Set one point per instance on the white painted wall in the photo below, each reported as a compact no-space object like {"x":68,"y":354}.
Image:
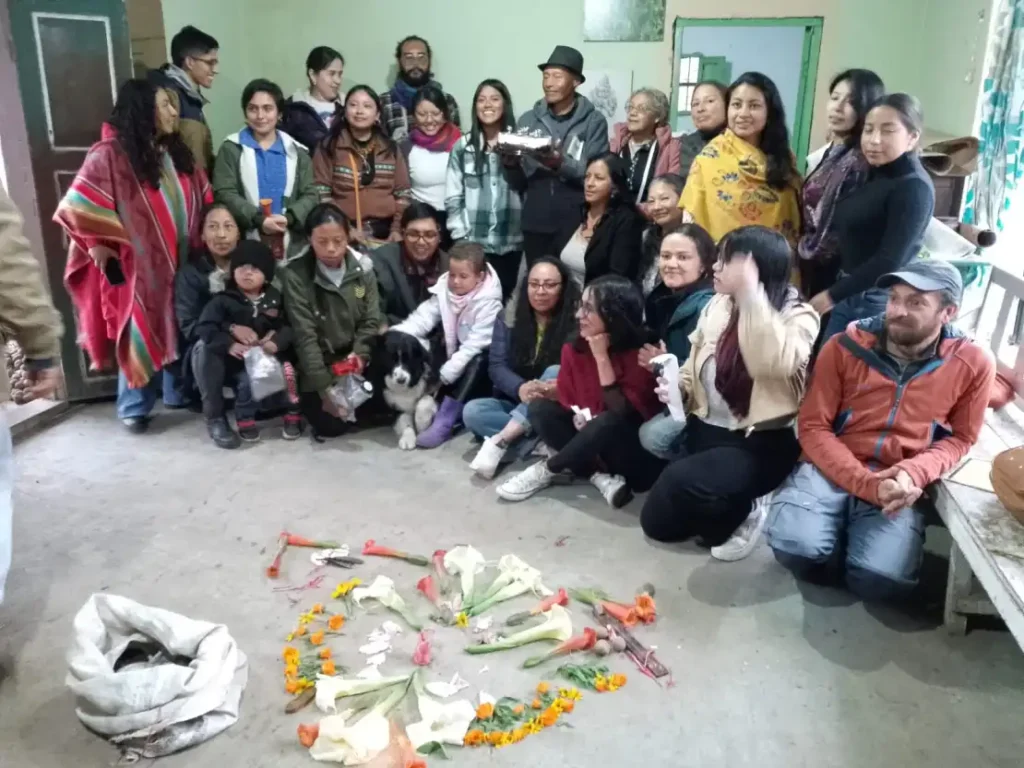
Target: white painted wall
{"x":774,"y":51}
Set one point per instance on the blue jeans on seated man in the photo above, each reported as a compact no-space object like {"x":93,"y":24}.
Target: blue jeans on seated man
{"x":811,"y":519}
{"x":487,"y":416}
{"x":662,"y":436}
{"x":139,"y":403}
{"x":857,"y":307}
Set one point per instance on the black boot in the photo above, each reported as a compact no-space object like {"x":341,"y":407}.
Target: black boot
{"x":222,"y":434}
{"x":137,"y":425}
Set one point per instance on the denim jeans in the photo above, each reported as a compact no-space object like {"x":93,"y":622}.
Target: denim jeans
{"x":857,"y":307}
{"x":487,"y":416}
{"x":6,"y":511}
{"x":138,"y":403}
{"x":810,"y":520}
{"x":662,"y":436}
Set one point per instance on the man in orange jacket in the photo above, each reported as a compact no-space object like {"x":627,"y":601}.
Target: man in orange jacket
{"x":894,"y":402}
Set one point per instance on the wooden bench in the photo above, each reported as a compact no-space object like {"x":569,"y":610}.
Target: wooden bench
{"x":986,"y":561}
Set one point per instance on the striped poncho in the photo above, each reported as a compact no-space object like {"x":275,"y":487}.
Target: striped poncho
{"x":148,"y":230}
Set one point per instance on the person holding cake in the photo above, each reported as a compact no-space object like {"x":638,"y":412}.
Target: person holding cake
{"x":554,"y":176}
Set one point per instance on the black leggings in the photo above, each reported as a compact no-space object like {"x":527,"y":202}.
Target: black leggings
{"x":710,"y":490}
{"x":473,"y":383}
{"x":609,"y":442}
{"x":507,"y":267}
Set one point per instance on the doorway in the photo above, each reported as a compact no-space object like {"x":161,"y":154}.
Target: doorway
{"x":784,"y":49}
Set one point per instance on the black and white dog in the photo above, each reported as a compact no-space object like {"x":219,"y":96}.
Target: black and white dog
{"x":410,"y":381}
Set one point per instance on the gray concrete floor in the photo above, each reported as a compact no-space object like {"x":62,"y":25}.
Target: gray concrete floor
{"x":767,"y":672}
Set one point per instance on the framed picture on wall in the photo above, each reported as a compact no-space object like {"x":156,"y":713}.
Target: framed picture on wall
{"x":624,"y":21}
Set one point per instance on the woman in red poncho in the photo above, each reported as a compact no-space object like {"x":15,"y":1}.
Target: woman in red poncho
{"x":131,"y":214}
{"x":603,"y":398}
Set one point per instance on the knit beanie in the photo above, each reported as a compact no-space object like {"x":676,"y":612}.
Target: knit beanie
{"x":256,"y":254}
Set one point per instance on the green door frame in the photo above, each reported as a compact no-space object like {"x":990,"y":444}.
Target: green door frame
{"x":802,"y":120}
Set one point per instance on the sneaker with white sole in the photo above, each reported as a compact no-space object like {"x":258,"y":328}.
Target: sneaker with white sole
{"x":613,"y":487}
{"x":488,"y":458}
{"x":522,"y":486}
{"x":746,"y":537}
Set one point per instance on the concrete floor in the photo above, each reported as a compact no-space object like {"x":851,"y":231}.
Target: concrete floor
{"x":767,"y":673}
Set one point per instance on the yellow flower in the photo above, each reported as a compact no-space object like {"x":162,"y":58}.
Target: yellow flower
{"x":305,"y":619}
{"x":568,"y":705}
{"x":290,"y":637}
{"x":534,"y":726}
{"x":518,"y":734}
{"x":291,"y":670}
{"x":618,"y":680}
{"x":345,"y":587}
{"x":290,"y":655}
{"x":506,"y":740}
{"x":556,"y":705}
{"x":572,"y":694}
{"x":462,"y":620}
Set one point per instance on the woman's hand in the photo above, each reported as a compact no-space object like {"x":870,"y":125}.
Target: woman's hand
{"x":237,"y":350}
{"x":244,"y":335}
{"x":663,"y":389}
{"x":599,"y":345}
{"x":579,"y":421}
{"x":648,"y":352}
{"x":822,"y":303}
{"x":270,"y":347}
{"x":100,"y":255}
{"x":275,"y":224}
{"x":739,"y":277}
{"x":357,"y":361}
{"x":528,"y":391}
{"x":548,"y":390}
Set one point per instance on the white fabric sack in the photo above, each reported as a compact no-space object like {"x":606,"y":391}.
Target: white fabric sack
{"x":155,"y":707}
{"x":941,"y":242}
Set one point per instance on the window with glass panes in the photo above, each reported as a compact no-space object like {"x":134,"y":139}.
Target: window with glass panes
{"x":689,"y":76}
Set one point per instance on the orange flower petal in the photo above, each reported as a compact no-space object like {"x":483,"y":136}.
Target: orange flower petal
{"x":308,"y":734}
{"x":543,"y":688}
{"x":335,"y":623}
{"x":317,"y":638}
{"x":485,"y":711}
{"x":318,"y":608}
{"x":326,"y":653}
{"x":329,"y":668}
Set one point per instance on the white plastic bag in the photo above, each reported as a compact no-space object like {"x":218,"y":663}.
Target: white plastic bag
{"x":349,"y":392}
{"x":266,"y":374}
{"x":152,"y":681}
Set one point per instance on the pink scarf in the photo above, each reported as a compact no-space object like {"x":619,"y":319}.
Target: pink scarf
{"x":457,"y":305}
{"x":442,"y":141}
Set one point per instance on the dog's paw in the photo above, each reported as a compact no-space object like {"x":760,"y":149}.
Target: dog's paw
{"x":407,"y":442}
{"x":426,"y":409}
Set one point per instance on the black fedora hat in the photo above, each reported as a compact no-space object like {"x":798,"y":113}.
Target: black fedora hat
{"x":567,"y":58}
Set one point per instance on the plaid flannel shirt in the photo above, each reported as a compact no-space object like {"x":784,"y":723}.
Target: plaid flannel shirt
{"x":395,"y":118}
{"x":482,"y":208}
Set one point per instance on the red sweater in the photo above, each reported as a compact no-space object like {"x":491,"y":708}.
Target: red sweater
{"x":862,"y":414}
{"x":579,"y":384}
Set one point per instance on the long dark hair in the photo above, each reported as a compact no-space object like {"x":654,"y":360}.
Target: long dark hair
{"x":134,"y":119}
{"x":773,"y":257}
{"x":866,"y":90}
{"x":775,"y":137}
{"x":620,"y":305}
{"x":340,"y":123}
{"x":508,"y":117}
{"x":560,"y":329}
{"x":618,"y":172}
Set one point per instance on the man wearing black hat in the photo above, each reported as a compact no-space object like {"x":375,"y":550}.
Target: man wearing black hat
{"x":554,"y":190}
{"x":895,"y":402}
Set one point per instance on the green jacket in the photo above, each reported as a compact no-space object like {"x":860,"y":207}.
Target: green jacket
{"x":329,"y":322}
{"x":235,"y":185}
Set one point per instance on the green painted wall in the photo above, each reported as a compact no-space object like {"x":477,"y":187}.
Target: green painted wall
{"x":924,"y":46}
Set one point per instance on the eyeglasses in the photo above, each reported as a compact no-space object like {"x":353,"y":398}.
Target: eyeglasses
{"x":211,"y":63}
{"x":424,"y":237}
{"x":547,"y":285}
{"x":414,"y":57}
{"x":640,"y":109}
{"x":586,"y":309}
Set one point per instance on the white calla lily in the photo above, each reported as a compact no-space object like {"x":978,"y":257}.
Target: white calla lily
{"x":515,"y":577}
{"x":465,"y":562}
{"x":383,"y":591}
{"x":441,"y":723}
{"x":351,"y":742}
{"x":557,"y":626}
{"x":330,"y":689}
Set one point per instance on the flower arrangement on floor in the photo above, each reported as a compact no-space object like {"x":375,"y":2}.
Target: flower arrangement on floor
{"x":509,"y":720}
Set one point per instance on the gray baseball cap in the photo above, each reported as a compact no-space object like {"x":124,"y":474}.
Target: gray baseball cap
{"x":927,"y":275}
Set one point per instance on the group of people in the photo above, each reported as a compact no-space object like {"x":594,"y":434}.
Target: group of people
{"x":552,"y":285}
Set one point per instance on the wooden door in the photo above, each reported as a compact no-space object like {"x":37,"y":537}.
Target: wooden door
{"x":71,"y":56}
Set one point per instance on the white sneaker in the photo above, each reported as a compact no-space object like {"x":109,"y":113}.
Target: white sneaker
{"x":613,"y":487}
{"x":746,"y":537}
{"x":488,"y":458}
{"x":526,"y":483}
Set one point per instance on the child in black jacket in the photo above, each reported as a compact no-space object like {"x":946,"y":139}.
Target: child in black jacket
{"x":247,"y":314}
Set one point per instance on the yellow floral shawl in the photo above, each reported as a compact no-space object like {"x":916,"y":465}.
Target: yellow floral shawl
{"x":727,"y":189}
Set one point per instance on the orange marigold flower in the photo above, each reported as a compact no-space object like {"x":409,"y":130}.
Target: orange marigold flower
{"x":291,"y":670}
{"x":494,"y":738}
{"x":543,"y":688}
{"x":548,"y":717}
{"x":536,"y":704}
{"x":326,"y":653}
{"x":329,"y":668}
{"x":290,"y":655}
{"x":601,"y":685}
{"x":336,"y":622}
{"x":618,"y":680}
{"x":568,"y":705}
{"x":645,"y":608}
{"x":301,"y":630}
{"x":518,"y":734}
{"x":318,"y":608}
{"x":317,"y":638}
{"x":474,"y":738}
{"x":518,"y":709}
{"x":485,"y":711}
{"x":291,"y":686}
{"x":308,"y":734}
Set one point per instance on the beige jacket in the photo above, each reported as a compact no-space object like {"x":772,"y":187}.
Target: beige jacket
{"x":26,"y":310}
{"x":776,"y":347}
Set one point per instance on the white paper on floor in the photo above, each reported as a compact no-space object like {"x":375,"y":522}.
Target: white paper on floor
{"x":445,"y":690}
{"x":378,"y":647}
